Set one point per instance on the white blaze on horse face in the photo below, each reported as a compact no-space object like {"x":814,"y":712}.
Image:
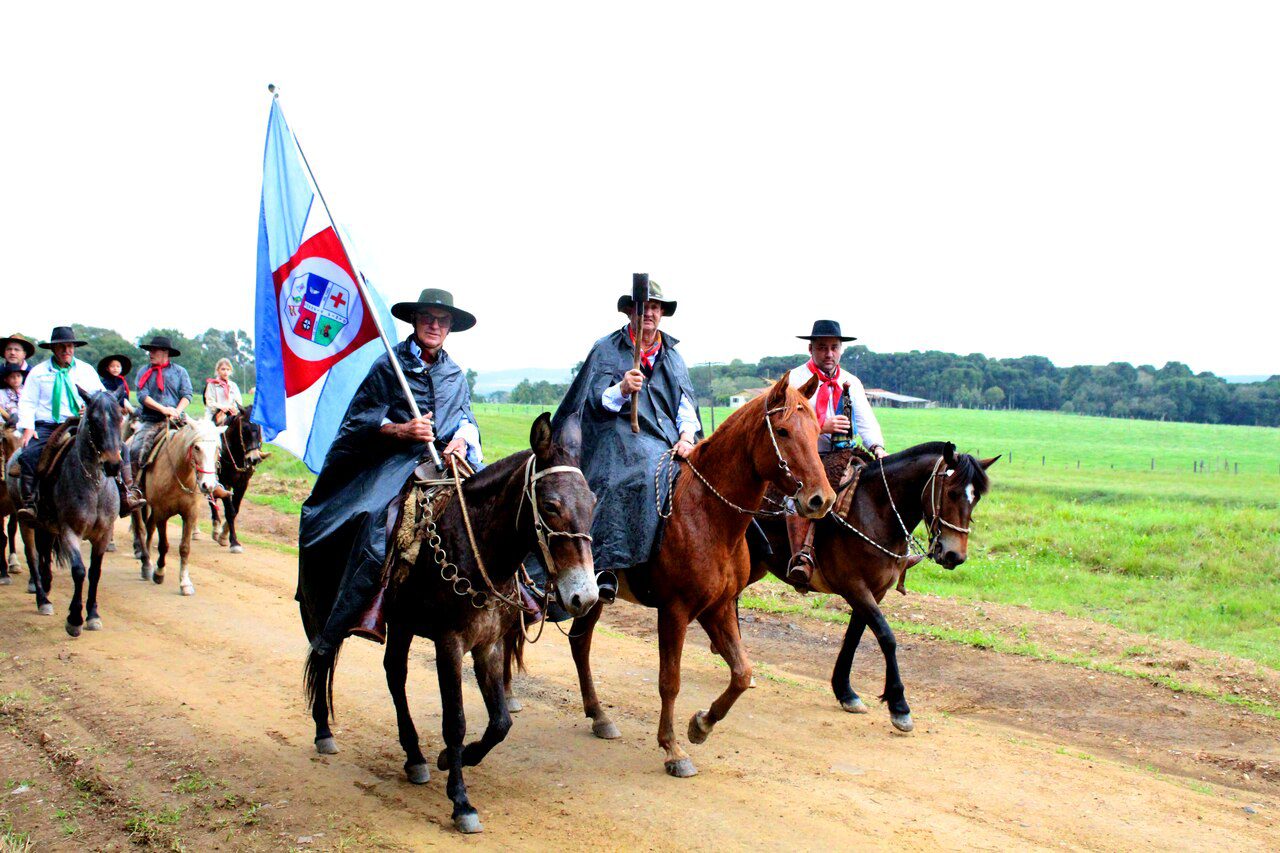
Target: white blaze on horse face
{"x":968,"y":493}
{"x":207,"y":455}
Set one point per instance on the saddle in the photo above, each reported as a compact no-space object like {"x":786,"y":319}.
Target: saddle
{"x":156,"y":447}
{"x":56,"y":447}
{"x":843,"y":469}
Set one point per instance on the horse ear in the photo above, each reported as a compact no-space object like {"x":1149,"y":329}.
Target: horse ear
{"x":222,"y":429}
{"x":809,"y":388}
{"x":778,"y":393}
{"x":540,"y":436}
{"x":569,"y":435}
{"x":84,"y":395}
{"x":987,"y":463}
{"x":949,"y":454}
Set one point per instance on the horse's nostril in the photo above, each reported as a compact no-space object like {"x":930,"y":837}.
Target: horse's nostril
{"x":576,"y":601}
{"x":816,"y":502}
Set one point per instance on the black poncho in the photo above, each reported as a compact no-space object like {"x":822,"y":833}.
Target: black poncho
{"x":619,"y":464}
{"x":342,"y":540}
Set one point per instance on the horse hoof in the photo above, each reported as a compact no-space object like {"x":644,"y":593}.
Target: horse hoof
{"x":158,"y":577}
{"x":31,"y":587}
{"x":514,"y":705}
{"x":5,"y":581}
{"x":419,"y":774}
{"x":468,"y":823}
{"x":73,"y":630}
{"x":699,"y":728}
{"x":681,"y":768}
{"x":187,"y":589}
{"x":94,"y":624}
{"x":751,"y":685}
{"x":855,"y":705}
{"x":45,"y":609}
{"x":196,"y":534}
{"x":605,"y":730}
{"x":111,"y":547}
{"x":237,"y":549}
{"x":327,"y":746}
{"x":137,"y":554}
{"x":902,"y":722}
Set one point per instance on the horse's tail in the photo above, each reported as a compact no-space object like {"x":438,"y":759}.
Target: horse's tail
{"x":515,"y":646}
{"x":317,"y":677}
{"x":61,"y":552}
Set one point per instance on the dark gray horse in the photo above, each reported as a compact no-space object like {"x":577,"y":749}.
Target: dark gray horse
{"x":81,"y":502}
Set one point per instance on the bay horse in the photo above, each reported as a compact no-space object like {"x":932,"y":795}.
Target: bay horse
{"x":175,"y":483}
{"x":534,"y":499}
{"x":701,"y":564}
{"x":239,"y":455}
{"x":79,"y":500}
{"x":11,"y":530}
{"x":861,"y":555}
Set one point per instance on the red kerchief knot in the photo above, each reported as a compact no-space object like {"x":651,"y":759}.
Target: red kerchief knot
{"x":646,"y":356}
{"x":158,"y":370}
{"x":828,"y":391}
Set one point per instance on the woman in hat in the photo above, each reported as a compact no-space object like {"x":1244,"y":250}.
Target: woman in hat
{"x":342,"y":537}
{"x":114,"y":370}
{"x":18,"y":350}
{"x":221,"y":394}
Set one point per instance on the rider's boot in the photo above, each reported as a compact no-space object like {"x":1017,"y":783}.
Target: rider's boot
{"x":131,"y":500}
{"x":803,"y":561}
{"x":607,"y":582}
{"x":372,"y":624}
{"x":27,"y":489}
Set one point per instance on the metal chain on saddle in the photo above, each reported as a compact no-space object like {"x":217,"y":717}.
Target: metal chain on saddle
{"x":480,"y":599}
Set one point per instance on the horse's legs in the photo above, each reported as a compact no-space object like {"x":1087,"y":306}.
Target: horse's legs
{"x":721,"y":624}
{"x":487,"y":661}
{"x":43,"y":573}
{"x":185,"y":586}
{"x":161,"y":528}
{"x":672,"y":626}
{"x":894,"y":691}
{"x":580,"y":635}
{"x":8,"y":556}
{"x":216,"y":532}
{"x":454,"y":725}
{"x":92,"y":621}
{"x":75,"y":616}
{"x":142,"y":543}
{"x":137,"y":524}
{"x":232,"y":505}
{"x":840,"y":685}
{"x":508,"y":670}
{"x":395,"y":662}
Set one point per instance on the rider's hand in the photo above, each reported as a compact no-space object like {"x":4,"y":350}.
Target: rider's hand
{"x":419,"y":429}
{"x":458,"y":447}
{"x":879,"y":451}
{"x":27,"y":435}
{"x":684,"y":447}
{"x":838,"y":425}
{"x":632,"y":381}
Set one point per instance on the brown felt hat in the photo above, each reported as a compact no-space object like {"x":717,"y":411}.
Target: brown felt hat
{"x":28,"y":346}
{"x":655,"y":295}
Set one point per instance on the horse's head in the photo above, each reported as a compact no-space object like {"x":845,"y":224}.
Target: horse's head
{"x":786,"y":451}
{"x":562,"y":509}
{"x":202,"y":455}
{"x":957,"y":484}
{"x":100,"y":426}
{"x":249,"y":436}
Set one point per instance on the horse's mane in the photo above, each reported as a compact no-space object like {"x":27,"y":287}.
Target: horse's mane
{"x":496,"y":474}
{"x":966,"y":466}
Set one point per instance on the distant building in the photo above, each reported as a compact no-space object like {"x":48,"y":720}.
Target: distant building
{"x":893,"y":400}
{"x":746,"y":396}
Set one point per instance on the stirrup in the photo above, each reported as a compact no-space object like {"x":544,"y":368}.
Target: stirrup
{"x":607,"y":583}
{"x":800,"y":568}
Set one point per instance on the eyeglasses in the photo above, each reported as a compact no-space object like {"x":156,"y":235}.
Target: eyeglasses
{"x":433,"y":320}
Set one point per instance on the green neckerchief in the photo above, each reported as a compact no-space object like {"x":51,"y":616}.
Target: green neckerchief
{"x":62,"y":387}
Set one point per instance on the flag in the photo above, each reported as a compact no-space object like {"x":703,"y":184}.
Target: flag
{"x":315,"y":336}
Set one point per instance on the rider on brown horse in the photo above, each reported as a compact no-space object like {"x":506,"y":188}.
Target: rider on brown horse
{"x":620,"y":465}
{"x":51,"y":397}
{"x":164,"y":392}
{"x":826,"y":343}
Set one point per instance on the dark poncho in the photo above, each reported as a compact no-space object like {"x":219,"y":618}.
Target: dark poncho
{"x":619,"y":464}
{"x":342,"y":540}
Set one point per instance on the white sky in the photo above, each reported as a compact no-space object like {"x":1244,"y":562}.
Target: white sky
{"x":1090,"y":181}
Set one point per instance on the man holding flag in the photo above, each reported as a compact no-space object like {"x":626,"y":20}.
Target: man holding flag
{"x":335,"y":392}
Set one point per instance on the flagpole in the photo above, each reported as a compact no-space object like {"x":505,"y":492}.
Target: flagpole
{"x":364,"y":293}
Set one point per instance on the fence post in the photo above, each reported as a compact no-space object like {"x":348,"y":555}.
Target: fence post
{"x":1042,"y":461}
{"x":1153,"y":463}
{"x":1237,"y":467}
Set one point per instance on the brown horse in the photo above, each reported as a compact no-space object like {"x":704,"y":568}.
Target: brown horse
{"x":176,"y":483}
{"x":861,"y":554}
{"x":701,"y":563}
{"x":10,"y":529}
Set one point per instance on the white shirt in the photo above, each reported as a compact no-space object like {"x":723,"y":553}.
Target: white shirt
{"x":37,"y":393}
{"x":864,"y":419}
{"x":687,"y":422}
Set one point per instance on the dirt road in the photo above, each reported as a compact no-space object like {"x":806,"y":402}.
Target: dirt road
{"x":182,"y":724}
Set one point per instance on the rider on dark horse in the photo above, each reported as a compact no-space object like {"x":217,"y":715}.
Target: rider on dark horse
{"x":164,"y":392}
{"x":620,"y":465}
{"x":50,"y":398}
{"x":343,"y":534}
{"x":826,"y":344}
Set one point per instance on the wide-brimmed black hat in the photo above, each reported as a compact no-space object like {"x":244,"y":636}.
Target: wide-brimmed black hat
{"x":126,"y":366}
{"x":825,"y":329}
{"x":7,"y":367}
{"x":63,"y":335}
{"x":434,"y":298}
{"x":655,"y":295}
{"x":27,"y":346}
{"x":161,"y":342}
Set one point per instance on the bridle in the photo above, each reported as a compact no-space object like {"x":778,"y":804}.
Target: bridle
{"x":190,"y":456}
{"x":543,"y":532}
{"x":934,"y":506}
{"x":667,"y":462}
{"x":244,"y":446}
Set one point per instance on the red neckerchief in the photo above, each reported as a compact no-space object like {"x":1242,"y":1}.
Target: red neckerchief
{"x":828,"y":391}
{"x":158,"y":370}
{"x":226,"y":385}
{"x":646,"y":356}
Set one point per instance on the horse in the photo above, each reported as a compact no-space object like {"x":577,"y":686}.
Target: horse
{"x":238,"y":458}
{"x":10,"y":528}
{"x":182,"y":472}
{"x":858,"y":552}
{"x":78,"y":501}
{"x":701,"y":564}
{"x":534,"y":499}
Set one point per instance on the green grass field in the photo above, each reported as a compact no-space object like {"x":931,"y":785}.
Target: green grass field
{"x":1092,"y":531}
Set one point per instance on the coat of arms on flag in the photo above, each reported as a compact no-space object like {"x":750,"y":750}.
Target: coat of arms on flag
{"x":322,"y":311}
